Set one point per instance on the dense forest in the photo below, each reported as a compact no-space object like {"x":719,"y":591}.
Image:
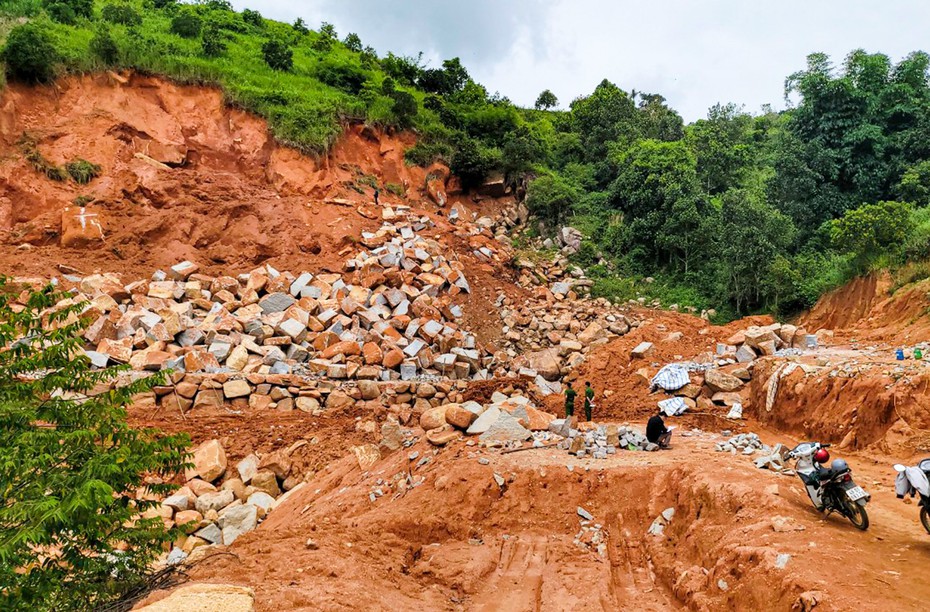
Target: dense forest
{"x":741,"y":212}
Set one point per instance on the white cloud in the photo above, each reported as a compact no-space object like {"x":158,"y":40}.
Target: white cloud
{"x":694,"y":53}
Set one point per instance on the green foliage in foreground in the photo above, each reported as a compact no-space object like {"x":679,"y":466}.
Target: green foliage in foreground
{"x":70,"y":465}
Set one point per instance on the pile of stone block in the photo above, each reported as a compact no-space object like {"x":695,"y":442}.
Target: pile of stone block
{"x":389,"y":316}
{"x":217,"y":505}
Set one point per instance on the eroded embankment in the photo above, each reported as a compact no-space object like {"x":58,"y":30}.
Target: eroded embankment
{"x":866,"y":308}
{"x":456,"y":539}
{"x":181,"y":176}
{"x":857,"y":406}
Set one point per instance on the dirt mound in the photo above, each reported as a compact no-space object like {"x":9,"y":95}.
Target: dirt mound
{"x":846,"y":306}
{"x":866,"y":308}
{"x":622,"y":383}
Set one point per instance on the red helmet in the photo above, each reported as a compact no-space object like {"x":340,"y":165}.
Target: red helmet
{"x":822,"y":455}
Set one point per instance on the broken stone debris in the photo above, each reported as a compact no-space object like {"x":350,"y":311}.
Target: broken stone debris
{"x":600,"y":441}
{"x":772,"y":458}
{"x":592,"y":537}
{"x":661,"y":522}
{"x":217,"y":504}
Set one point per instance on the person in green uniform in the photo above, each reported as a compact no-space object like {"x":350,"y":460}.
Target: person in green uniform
{"x":588,"y":401}
{"x":569,"y":401}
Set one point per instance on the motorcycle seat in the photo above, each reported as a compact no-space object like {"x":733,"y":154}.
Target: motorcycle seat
{"x":925,"y":466}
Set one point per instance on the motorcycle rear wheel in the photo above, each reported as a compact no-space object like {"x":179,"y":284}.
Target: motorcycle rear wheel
{"x":857,"y":515}
{"x":925,"y":518}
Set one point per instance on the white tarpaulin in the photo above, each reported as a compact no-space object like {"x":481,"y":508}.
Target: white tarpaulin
{"x":672,"y":377}
{"x":673,"y":406}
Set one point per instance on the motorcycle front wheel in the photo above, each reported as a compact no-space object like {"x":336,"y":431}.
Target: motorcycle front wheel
{"x":925,"y":518}
{"x":856,"y":515}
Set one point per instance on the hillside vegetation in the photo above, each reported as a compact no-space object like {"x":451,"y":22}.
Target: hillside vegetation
{"x":743,"y":212}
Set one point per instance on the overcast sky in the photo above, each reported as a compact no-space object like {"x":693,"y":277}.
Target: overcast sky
{"x":694,"y":52}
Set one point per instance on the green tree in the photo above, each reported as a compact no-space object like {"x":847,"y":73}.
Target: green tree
{"x":915,"y":184}
{"x":388,"y":86}
{"x":213,"y":40}
{"x":546,"y":100}
{"x":404,"y":108}
{"x":722,"y":146}
{"x":29,"y":54}
{"x":186,"y":24}
{"x":253,"y":18}
{"x":71,"y":466}
{"x":300,"y":26}
{"x":103,"y":46}
{"x":522,"y":148}
{"x":456,"y":75}
{"x":861,"y":127}
{"x":657,"y":120}
{"x":278,"y":55}
{"x":873,"y":230}
{"x":124,"y":14}
{"x":471,"y":162}
{"x":751,"y":235}
{"x":353,"y":42}
{"x":80,"y":8}
{"x":328,"y":30}
{"x":607,"y":115}
{"x":551,"y":197}
{"x":403,"y":69}
{"x":657,"y":191}
{"x":61,"y":12}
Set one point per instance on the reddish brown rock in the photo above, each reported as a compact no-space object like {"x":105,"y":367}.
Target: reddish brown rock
{"x":372,"y":353}
{"x":209,"y":461}
{"x":393,"y":358}
{"x":457,"y":416}
{"x":341,"y":348}
{"x":81,"y":226}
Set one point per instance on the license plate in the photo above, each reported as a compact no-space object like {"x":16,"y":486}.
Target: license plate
{"x":856,"y":493}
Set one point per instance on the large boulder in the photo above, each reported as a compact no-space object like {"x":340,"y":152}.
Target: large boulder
{"x":265,"y":480}
{"x":209,"y":461}
{"x":237,"y":521}
{"x":443,"y":435}
{"x":214,"y":501}
{"x":485,"y":420}
{"x":570,"y":239}
{"x":433,"y":418}
{"x":367,"y":455}
{"x":592,"y":333}
{"x":369,"y":389}
{"x":538,"y":420}
{"x":227,"y":598}
{"x":756,"y":336}
{"x":718,"y":380}
{"x":80,"y":227}
{"x":506,"y":429}
{"x":547,"y":363}
{"x":458,"y":416}
{"x":436,"y":179}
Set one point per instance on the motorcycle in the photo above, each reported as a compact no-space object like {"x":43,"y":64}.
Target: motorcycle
{"x":830,"y":489}
{"x":915,"y":481}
